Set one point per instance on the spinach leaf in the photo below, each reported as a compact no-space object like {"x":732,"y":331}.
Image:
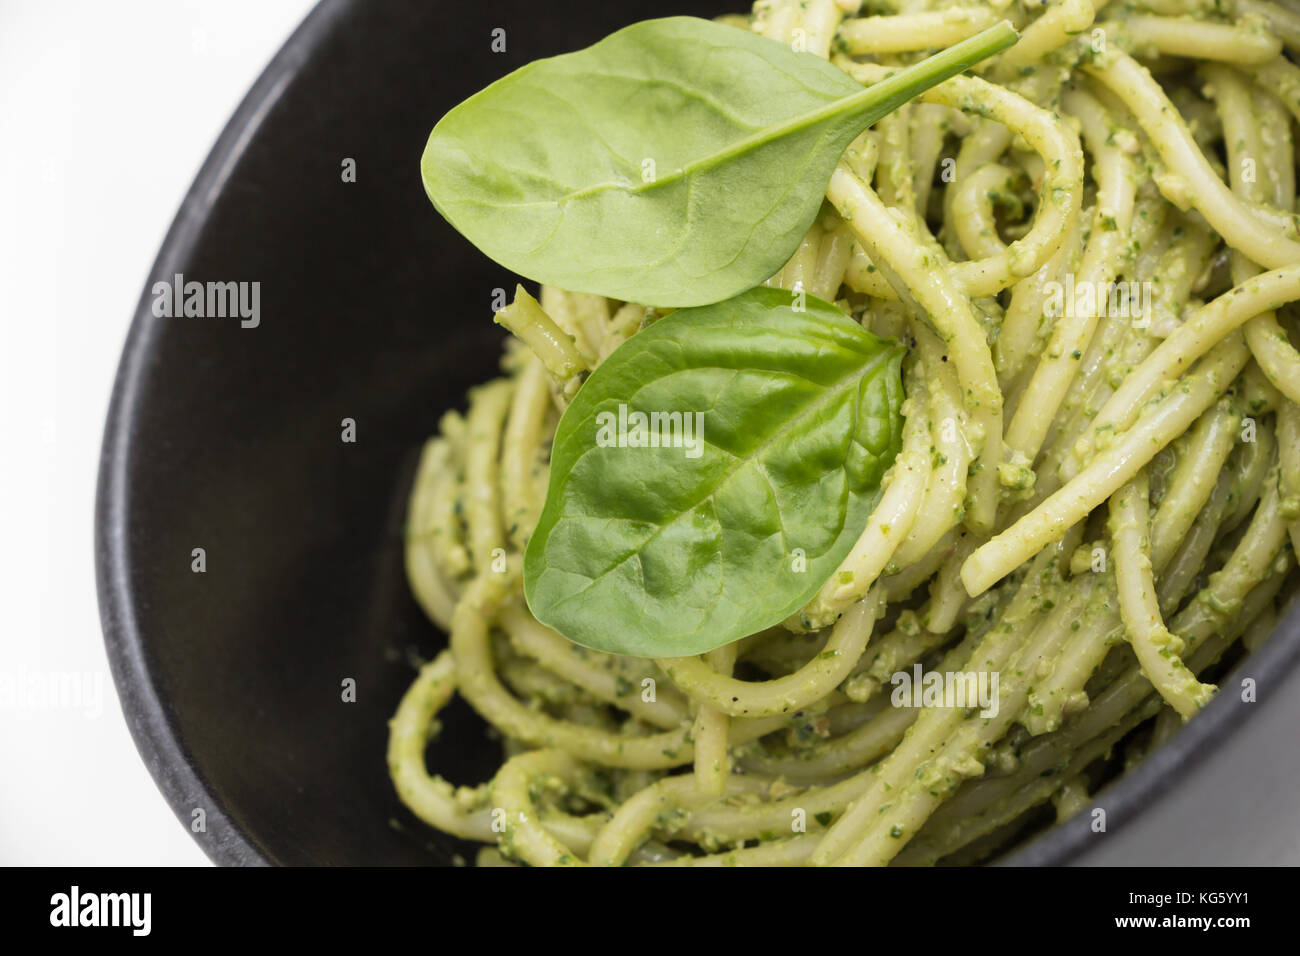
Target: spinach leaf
{"x":676,"y":162}
{"x":766,"y":431}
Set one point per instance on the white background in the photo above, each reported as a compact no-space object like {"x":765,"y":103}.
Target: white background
{"x":107,"y":109}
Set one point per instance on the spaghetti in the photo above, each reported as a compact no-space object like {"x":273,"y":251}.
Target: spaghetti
{"x":1100,"y":503}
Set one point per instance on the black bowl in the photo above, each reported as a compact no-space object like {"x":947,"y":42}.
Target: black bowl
{"x":229,"y":439}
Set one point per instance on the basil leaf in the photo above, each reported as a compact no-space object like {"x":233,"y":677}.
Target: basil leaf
{"x":676,"y":162}
{"x":773,"y":426}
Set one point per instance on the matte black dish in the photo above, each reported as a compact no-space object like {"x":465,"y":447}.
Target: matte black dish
{"x":228,"y":439}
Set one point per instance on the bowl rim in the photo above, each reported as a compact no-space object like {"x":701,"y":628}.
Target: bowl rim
{"x":151,"y":717}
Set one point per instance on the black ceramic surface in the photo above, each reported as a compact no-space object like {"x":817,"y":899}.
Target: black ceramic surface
{"x":229,"y":439}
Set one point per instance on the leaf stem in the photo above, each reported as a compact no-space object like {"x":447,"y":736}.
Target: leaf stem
{"x":884,"y":97}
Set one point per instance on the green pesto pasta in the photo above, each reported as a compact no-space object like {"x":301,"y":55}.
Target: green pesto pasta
{"x":1091,"y":249}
